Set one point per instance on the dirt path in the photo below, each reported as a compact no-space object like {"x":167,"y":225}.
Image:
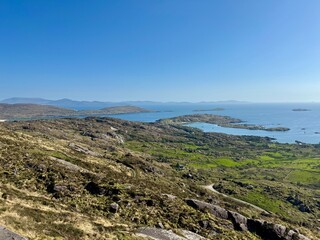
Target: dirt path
{"x":210,"y":187}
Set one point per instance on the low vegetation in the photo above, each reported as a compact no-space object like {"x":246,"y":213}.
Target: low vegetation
{"x":103,"y":178}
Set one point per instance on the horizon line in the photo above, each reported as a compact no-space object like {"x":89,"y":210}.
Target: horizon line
{"x":164,"y":102}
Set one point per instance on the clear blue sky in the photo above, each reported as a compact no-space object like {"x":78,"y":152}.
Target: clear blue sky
{"x":163,"y":50}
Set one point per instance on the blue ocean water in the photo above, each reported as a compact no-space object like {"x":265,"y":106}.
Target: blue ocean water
{"x":304,"y":125}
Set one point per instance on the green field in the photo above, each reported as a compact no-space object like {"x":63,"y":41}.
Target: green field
{"x":281,"y":169}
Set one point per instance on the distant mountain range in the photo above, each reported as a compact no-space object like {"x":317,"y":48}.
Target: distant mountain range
{"x":95,"y":105}
{"x":64,"y":103}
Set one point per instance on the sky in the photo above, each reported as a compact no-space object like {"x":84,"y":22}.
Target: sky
{"x":161,"y":50}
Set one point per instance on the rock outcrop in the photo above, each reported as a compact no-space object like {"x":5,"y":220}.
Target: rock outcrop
{"x":266,"y":230}
{"x":161,"y":234}
{"x":6,"y":234}
{"x":213,"y":209}
{"x":82,"y":149}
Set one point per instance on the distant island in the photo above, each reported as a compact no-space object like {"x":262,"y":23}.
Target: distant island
{"x":222,"y":121}
{"x":209,"y":110}
{"x":300,"y":110}
{"x":31,"y":111}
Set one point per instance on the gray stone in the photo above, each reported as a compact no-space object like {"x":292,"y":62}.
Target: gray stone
{"x":159,"y":225}
{"x":59,"y":188}
{"x":162,"y":234}
{"x":114,"y":207}
{"x":238,"y":220}
{"x":6,"y":234}
{"x":213,"y":209}
{"x":266,"y":230}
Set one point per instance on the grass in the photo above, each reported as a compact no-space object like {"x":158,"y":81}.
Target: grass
{"x":307,"y":169}
{"x":261,"y":173}
{"x":304,"y":177}
{"x":266,"y":202}
{"x":280,"y":167}
{"x":220,"y":162}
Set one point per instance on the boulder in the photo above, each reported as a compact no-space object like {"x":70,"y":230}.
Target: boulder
{"x":114,"y":207}
{"x":162,"y":234}
{"x":266,"y":230}
{"x":160,"y":225}
{"x":213,"y":209}
{"x":169,"y":196}
{"x":149,"y":202}
{"x":112,"y":135}
{"x":272,"y":231}
{"x":304,"y":208}
{"x":191,"y":235}
{"x":294,"y":200}
{"x":187,"y":175}
{"x":82,"y":149}
{"x":59,"y":188}
{"x":204,"y":223}
{"x":93,"y":188}
{"x":239,"y":221}
{"x":41,"y":168}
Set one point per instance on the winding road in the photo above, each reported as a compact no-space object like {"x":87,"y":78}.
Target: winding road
{"x":210,"y":187}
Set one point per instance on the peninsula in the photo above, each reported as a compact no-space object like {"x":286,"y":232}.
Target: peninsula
{"x":34,"y":111}
{"x":222,"y":121}
{"x":209,"y":110}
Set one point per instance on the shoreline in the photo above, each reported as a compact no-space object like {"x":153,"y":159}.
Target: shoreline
{"x":220,"y":120}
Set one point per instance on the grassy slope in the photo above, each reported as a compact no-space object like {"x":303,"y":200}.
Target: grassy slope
{"x":288,"y":171}
{"x":138,"y":172}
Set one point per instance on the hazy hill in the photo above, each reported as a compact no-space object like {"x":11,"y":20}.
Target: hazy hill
{"x":9,"y":111}
{"x":23,"y":111}
{"x":17,"y":100}
{"x":123,"y":109}
{"x":80,"y":105}
{"x":113,"y":110}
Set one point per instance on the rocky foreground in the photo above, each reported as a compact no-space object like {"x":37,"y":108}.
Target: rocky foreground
{"x":89,"y":179}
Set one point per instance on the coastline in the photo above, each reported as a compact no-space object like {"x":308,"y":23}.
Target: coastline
{"x":220,"y":120}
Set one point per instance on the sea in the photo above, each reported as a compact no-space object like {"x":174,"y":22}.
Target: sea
{"x":304,"y":125}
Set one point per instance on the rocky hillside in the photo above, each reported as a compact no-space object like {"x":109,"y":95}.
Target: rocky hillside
{"x":101,"y":178}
